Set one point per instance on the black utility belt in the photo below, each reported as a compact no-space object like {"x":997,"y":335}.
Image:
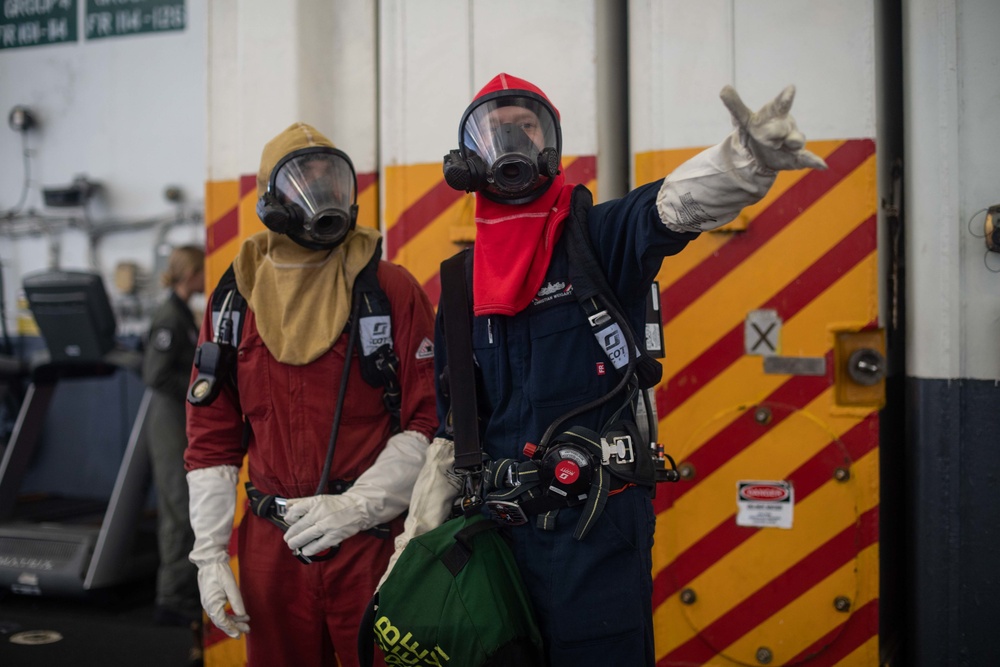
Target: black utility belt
{"x":273,"y":508}
{"x":580,"y":467}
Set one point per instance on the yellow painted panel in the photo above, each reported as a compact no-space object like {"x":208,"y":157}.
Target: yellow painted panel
{"x":779,"y":452}
{"x":705,"y":245}
{"x":423,"y":255}
{"x":713,"y":501}
{"x":652,"y":165}
{"x":227,"y":653}
{"x":368,"y":207}
{"x":771,"y":551}
{"x":217,"y":263}
{"x":809,"y":617}
{"x":865,"y":475}
{"x":220,"y":198}
{"x":810,"y":331}
{"x":405,"y":185}
{"x":867,"y":565}
{"x":743,"y":381}
{"x":669,"y":619}
{"x":250,"y":222}
{"x":726,"y":303}
{"x":866,"y":655}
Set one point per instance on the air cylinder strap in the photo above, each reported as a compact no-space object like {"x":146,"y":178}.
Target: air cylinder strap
{"x":461,"y":373}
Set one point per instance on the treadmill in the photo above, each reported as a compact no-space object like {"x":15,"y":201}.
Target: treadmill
{"x":67,"y":546}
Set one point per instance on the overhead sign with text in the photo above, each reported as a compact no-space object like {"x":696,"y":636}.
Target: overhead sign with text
{"x":120,"y":18}
{"x":37,"y":22}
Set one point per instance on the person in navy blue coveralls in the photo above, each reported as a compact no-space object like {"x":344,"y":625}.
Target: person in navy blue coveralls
{"x":537,"y":357}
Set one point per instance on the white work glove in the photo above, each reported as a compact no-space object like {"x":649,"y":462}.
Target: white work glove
{"x":212,"y":506}
{"x":379,"y":494}
{"x":710,"y":189}
{"x":436,"y":488}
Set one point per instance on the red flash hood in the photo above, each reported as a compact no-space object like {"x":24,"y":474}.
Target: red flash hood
{"x":514,"y":243}
{"x":508,"y":82}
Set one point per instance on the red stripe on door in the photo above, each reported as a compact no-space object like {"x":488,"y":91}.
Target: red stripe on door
{"x":581,"y":170}
{"x":786,"y":208}
{"x":777,"y":593}
{"x":726,"y":536}
{"x":859,"y":628}
{"x":366,"y":180}
{"x":743,"y":431}
{"x":222,"y":231}
{"x":837,"y":261}
{"x":414,"y":219}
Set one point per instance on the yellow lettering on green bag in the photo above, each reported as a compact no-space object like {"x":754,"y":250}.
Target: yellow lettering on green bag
{"x":401,"y":649}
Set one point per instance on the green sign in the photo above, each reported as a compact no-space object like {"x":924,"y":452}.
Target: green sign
{"x":119,"y":18}
{"x":37,"y":22}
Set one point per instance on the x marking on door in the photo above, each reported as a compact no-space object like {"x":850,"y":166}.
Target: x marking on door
{"x":762,"y":336}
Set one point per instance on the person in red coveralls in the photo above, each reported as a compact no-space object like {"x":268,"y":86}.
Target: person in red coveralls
{"x":552,"y":392}
{"x":332,"y":458}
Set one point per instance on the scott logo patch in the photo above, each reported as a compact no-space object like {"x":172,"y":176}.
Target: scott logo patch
{"x":376,"y":331}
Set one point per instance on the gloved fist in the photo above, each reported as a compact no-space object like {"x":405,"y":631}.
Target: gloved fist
{"x":321,"y":522}
{"x":217,"y":586}
{"x":771,"y":134}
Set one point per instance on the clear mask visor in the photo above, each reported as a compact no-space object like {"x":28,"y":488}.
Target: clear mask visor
{"x":322,"y":186}
{"x":509,"y":133}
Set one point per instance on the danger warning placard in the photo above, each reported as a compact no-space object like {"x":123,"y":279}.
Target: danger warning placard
{"x":764,"y":504}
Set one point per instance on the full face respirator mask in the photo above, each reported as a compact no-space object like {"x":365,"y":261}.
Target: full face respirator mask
{"x":311,"y":197}
{"x":509,"y":150}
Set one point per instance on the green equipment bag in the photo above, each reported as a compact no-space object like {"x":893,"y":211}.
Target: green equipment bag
{"x":455,"y":597}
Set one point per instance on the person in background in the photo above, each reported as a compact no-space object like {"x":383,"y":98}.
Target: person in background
{"x":551,"y":389}
{"x":329,"y":478}
{"x":166,"y":370}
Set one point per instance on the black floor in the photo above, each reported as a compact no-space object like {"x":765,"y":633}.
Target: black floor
{"x":115,"y":627}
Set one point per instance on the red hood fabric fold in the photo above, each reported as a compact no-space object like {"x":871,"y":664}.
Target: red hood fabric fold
{"x":514,"y":244}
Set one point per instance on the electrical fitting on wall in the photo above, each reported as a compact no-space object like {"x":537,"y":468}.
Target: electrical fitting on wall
{"x":991,"y":228}
{"x":991,"y":233}
{"x":22,"y":119}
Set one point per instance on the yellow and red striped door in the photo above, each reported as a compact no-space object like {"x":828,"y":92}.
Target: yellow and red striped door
{"x":748,"y":400}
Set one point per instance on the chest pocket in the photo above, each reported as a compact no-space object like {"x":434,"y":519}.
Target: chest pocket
{"x":486,"y":349}
{"x":253,"y":375}
{"x":564,"y":356}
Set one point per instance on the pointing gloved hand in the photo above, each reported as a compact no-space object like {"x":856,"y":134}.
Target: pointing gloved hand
{"x":212,"y":505}
{"x":435,"y":490}
{"x":771,"y":134}
{"x":380,"y":494}
{"x":711,"y":189}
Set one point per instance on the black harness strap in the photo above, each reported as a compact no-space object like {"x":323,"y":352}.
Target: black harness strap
{"x":378,"y":360}
{"x":596,"y":297}
{"x":461,"y":373}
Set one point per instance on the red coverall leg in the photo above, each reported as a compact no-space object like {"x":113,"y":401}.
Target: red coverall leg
{"x":302,"y":615}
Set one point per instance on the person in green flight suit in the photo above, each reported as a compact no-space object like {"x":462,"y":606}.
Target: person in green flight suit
{"x":173,"y":337}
